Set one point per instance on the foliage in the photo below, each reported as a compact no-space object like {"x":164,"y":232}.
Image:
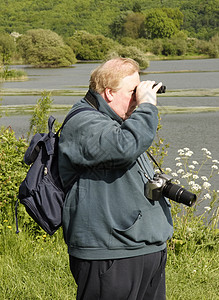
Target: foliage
{"x":174,"y":46}
{"x":157,"y":46}
{"x":156,"y":23}
{"x":196,"y":177}
{"x":200,"y":17}
{"x":176,"y":15}
{"x":88,"y":46}
{"x":12,"y":170}
{"x":89,"y":37}
{"x":159,"y":25}
{"x":7,"y":47}
{"x":45,"y":48}
{"x":117,"y":25}
{"x":193,"y":249}
{"x":159,"y":148}
{"x":209,"y":48}
{"x":142,"y":44}
{"x":39,"y":119}
{"x":132,"y":52}
{"x":133,"y":25}
{"x":13,"y":74}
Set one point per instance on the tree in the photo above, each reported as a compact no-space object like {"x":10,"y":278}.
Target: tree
{"x":133,"y":25}
{"x":88,"y":46}
{"x":137,"y":7}
{"x":159,"y":25}
{"x":45,"y":48}
{"x":117,"y":26}
{"x":7,"y":48}
{"x":176,"y":15}
{"x":201,"y":17}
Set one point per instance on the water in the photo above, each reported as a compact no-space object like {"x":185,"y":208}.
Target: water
{"x":195,"y":131}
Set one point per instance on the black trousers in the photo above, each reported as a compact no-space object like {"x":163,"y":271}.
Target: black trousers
{"x":135,"y":278}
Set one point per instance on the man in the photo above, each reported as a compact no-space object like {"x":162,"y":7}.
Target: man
{"x":116,"y":237}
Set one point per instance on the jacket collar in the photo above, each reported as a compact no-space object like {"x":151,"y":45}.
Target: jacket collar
{"x":97,"y":101}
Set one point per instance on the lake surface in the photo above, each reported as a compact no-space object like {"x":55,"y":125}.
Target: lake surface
{"x":195,"y":131}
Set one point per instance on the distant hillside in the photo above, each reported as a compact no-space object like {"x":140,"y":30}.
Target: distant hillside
{"x":95,"y":16}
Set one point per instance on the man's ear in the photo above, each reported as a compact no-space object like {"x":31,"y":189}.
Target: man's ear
{"x":108,"y":94}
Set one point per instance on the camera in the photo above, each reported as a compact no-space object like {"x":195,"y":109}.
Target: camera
{"x":161,"y":185}
{"x":161,"y":90}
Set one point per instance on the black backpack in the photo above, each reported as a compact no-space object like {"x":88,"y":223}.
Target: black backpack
{"x":41,"y":192}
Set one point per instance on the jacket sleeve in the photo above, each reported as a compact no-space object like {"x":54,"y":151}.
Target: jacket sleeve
{"x":93,"y":139}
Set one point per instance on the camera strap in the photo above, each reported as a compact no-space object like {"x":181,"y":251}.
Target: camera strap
{"x":154,"y":161}
{"x":142,"y":168}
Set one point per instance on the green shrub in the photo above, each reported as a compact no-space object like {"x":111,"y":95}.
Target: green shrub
{"x":191,"y":46}
{"x":39,"y":119}
{"x":45,"y":48}
{"x":88,"y":46}
{"x":142,"y":44}
{"x":7,"y":74}
{"x":180,"y":45}
{"x":168,"y":48}
{"x":131,"y":52}
{"x":7,"y":48}
{"x":207,"y":47}
{"x":12,"y":171}
{"x":157,"y":46}
{"x":215,"y":41}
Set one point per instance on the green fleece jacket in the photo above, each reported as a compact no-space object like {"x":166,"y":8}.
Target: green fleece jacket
{"x":106,"y":214}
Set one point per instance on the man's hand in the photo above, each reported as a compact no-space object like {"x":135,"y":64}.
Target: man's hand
{"x":145,"y":93}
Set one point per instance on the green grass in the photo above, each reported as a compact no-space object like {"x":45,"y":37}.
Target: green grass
{"x":37,"y":267}
{"x":193,"y":274}
{"x":34,"y":268}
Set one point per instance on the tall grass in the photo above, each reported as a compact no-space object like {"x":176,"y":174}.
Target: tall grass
{"x":8,"y":75}
{"x":34,"y":267}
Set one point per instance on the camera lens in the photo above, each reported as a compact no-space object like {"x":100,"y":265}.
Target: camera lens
{"x":179,"y":194}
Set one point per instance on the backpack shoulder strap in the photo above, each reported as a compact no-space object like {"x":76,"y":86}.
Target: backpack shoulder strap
{"x":71,"y":114}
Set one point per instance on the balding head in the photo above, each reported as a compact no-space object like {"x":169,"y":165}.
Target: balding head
{"x":110,"y":74}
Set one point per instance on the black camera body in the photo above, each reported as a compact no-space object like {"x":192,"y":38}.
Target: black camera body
{"x":161,"y":185}
{"x":161,"y":90}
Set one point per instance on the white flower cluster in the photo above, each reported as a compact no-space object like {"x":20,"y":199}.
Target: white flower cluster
{"x":185,"y":152}
{"x":189,"y":172}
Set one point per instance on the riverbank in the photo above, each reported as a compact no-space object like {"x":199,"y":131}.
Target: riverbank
{"x":151,"y":57}
{"x":177,"y":57}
